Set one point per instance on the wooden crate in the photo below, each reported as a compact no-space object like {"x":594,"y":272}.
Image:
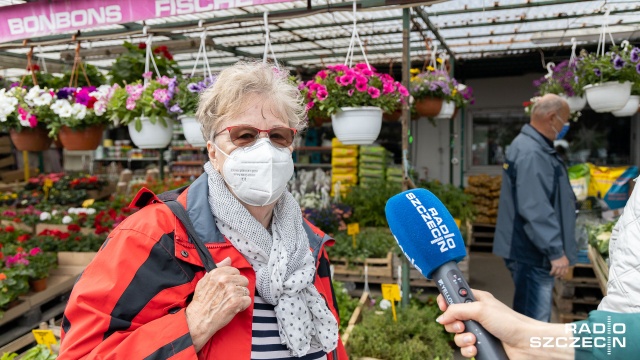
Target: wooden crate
{"x":17,"y":226}
{"x":482,"y":237}
{"x":582,"y":271}
{"x":355,"y":317}
{"x":567,"y":289}
{"x":376,"y":267}
{"x":584,"y":301}
{"x":600,"y":268}
{"x":16,"y":175}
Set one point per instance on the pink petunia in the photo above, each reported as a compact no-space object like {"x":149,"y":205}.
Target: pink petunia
{"x":362,"y":87}
{"x":322,"y":94}
{"x":322,"y":74}
{"x":387,"y":88}
{"x":33,"y":121}
{"x":362,"y":66}
{"x":350,"y":92}
{"x":161,"y":95}
{"x":403,"y":90}
{"x":147,"y":75}
{"x":131,"y":104}
{"x":346,"y":80}
{"x":361,"y":80}
{"x":374,"y":92}
{"x":35,"y":251}
{"x":310,"y":105}
{"x":366,"y":72}
{"x":314,"y":86}
{"x":164,"y":80}
{"x":338,"y":80}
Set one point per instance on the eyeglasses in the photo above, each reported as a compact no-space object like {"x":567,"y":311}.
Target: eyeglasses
{"x":244,"y":135}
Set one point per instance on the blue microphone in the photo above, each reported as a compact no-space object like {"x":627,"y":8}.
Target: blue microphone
{"x":430,"y":239}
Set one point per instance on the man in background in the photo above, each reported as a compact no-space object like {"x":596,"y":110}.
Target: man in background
{"x":536,"y":214}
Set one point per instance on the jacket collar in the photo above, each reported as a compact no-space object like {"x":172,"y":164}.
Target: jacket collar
{"x":529,"y":131}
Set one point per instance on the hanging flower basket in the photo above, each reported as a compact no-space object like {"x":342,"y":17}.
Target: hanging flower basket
{"x":608,"y":96}
{"x":576,"y":103}
{"x":151,"y":136}
{"x":81,"y":139}
{"x":630,"y":108}
{"x":357,"y":125}
{"x":429,"y":106}
{"x":448,"y":110}
{"x":192,"y":132}
{"x":30,"y":139}
{"x":392,"y":117}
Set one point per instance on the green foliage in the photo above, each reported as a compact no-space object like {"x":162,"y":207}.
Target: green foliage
{"x":615,"y":65}
{"x":129,"y":66}
{"x":96,"y":78}
{"x":8,"y":356}
{"x":368,"y":202}
{"x":459,"y":204}
{"x":41,"y":263}
{"x":599,"y":237}
{"x":416,"y":334}
{"x":44,"y":80}
{"x":39,"y":352}
{"x":346,"y":304}
{"x":13,"y":283}
{"x":370,"y":243}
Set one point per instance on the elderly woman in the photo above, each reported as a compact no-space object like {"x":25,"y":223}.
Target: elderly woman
{"x":147,"y":293}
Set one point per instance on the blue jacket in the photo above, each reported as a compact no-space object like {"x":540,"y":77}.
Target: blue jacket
{"x":537,"y":211}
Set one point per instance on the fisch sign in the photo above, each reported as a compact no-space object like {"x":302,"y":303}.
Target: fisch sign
{"x":58,"y":16}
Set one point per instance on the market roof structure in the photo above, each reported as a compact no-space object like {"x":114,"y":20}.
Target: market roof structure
{"x":307,"y":35}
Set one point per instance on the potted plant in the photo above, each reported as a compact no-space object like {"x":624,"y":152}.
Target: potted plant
{"x":461,"y":97}
{"x":27,"y":123}
{"x":429,"y":90}
{"x":185,"y":104}
{"x":145,"y":109}
{"x":631,"y":107}
{"x":129,"y":65}
{"x":40,"y":264}
{"x":355,"y":99}
{"x":81,"y":117}
{"x":563,"y":81}
{"x":14,"y":281}
{"x":608,"y":78}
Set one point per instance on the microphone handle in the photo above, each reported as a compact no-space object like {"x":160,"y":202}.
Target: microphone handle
{"x":455,"y":290}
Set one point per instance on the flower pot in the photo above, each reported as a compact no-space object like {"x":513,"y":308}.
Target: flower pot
{"x":81,"y":139}
{"x":608,"y":96}
{"x":447,"y":111}
{"x":357,"y":125}
{"x":31,"y":139}
{"x":576,"y":103}
{"x":630,"y":108}
{"x":38,"y":285}
{"x":151,"y":136}
{"x":192,"y":131}
{"x":392,"y":117}
{"x":429,"y":106}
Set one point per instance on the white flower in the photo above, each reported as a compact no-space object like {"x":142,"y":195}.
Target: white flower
{"x":79,"y":111}
{"x":44,"y":99}
{"x":67,"y":220}
{"x":65,"y":111}
{"x":385,"y":304}
{"x":91,"y":211}
{"x":44,"y":216}
{"x":58,"y":105}
{"x":24,"y":123}
{"x":54,"y":212}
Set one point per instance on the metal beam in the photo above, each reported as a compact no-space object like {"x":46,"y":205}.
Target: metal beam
{"x":525,"y":5}
{"x":434,"y":29}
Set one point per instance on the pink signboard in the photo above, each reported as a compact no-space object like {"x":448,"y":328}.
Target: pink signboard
{"x":47,"y":17}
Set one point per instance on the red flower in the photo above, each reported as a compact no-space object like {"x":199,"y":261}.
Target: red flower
{"x":92,"y":101}
{"x":73,"y":228}
{"x":34,"y":67}
{"x":526,"y":103}
{"x":23,"y":238}
{"x":19,"y":249}
{"x":9,"y":228}
{"x":78,"y":238}
{"x":142,"y":46}
{"x":17,"y":220}
{"x":2,"y":257}
{"x":64,"y":236}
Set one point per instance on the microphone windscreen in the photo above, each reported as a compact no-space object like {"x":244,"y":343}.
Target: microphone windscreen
{"x":424,"y":230}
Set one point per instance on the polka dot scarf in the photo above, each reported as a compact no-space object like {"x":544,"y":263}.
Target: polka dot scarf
{"x":284,"y":266}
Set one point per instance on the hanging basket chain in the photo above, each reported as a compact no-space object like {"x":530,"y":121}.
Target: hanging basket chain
{"x":30,"y":68}
{"x":267,"y":42}
{"x":77,"y":64}
{"x":355,"y":37}
{"x":206,"y":70}
{"x":149,"y":58}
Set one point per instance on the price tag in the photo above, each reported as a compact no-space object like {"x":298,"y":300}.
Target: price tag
{"x":391,"y":292}
{"x":88,"y":203}
{"x":45,"y":337}
{"x":353,"y":229}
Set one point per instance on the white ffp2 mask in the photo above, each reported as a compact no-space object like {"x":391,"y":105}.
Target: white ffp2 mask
{"x":258,"y":174}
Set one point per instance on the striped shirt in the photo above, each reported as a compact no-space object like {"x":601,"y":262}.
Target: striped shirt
{"x":265,"y":342}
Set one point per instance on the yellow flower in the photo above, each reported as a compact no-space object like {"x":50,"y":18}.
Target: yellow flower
{"x":414,"y":71}
{"x":454,"y":92}
{"x":439,"y":60}
{"x":430,"y":68}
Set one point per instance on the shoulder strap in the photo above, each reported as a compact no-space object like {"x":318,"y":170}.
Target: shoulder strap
{"x":181,"y":214}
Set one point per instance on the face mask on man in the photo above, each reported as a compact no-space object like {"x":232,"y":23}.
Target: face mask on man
{"x":565,"y":128}
{"x":258,"y":174}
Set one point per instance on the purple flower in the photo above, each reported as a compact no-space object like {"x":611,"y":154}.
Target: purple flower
{"x":176,"y":109}
{"x":635,"y":54}
{"x":433,"y":87}
{"x":638,"y":68}
{"x":82,"y":97}
{"x":65,"y":92}
{"x":193,"y":87}
{"x":597,"y":72}
{"x":618,"y":63}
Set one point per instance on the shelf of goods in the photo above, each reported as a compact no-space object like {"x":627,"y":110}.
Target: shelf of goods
{"x":600,"y":267}
{"x":35,"y":307}
{"x":577,"y":293}
{"x":188,"y":161}
{"x":311,"y":157}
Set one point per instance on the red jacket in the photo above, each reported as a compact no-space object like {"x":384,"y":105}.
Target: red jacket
{"x":130,"y":301}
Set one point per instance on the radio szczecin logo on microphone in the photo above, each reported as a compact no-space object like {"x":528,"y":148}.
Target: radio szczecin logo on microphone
{"x":440,"y":232}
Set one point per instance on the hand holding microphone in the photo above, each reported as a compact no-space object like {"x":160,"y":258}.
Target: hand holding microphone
{"x":430,"y":239}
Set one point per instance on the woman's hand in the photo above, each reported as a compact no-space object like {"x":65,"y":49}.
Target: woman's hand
{"x":219,"y":296}
{"x":513,"y":329}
